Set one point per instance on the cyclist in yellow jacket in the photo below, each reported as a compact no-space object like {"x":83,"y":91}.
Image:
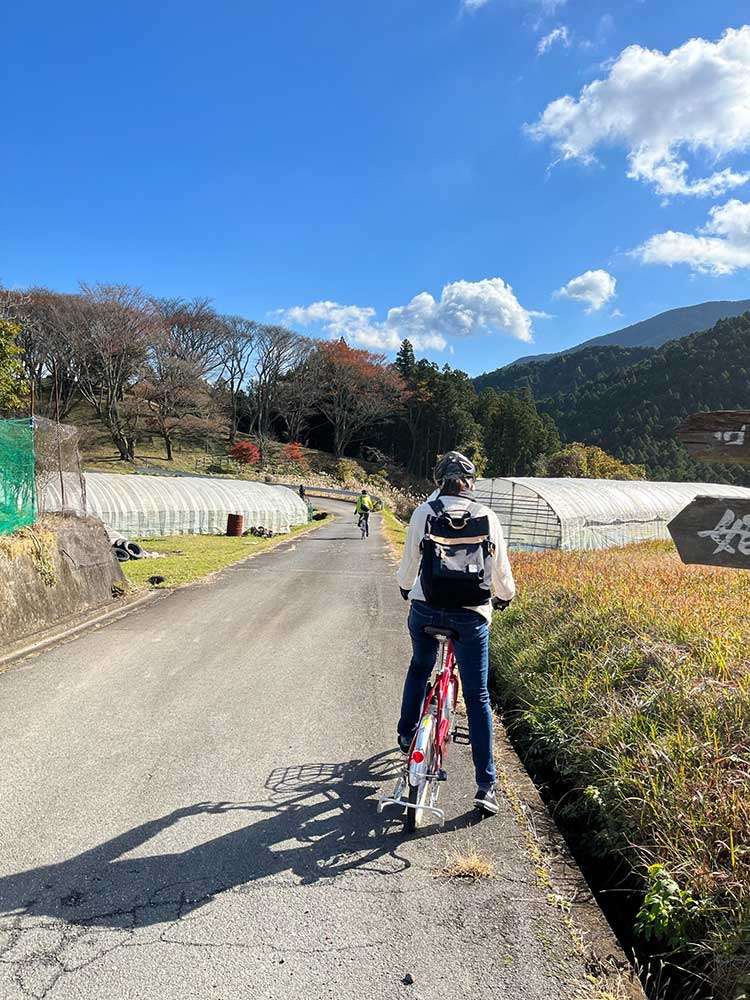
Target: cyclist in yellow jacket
{"x":362,"y":509}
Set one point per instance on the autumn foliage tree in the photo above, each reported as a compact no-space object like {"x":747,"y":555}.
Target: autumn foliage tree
{"x":355,"y":389}
{"x":584,"y":461}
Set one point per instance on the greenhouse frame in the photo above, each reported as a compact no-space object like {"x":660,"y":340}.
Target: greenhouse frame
{"x":135,"y":506}
{"x":589,"y":513}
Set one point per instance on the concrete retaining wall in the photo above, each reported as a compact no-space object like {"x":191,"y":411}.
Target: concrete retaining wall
{"x":66,"y":568}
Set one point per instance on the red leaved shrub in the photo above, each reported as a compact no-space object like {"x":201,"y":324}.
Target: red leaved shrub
{"x":246,"y":453}
{"x":293,"y":453}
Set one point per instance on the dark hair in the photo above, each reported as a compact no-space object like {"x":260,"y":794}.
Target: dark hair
{"x":454,"y":487}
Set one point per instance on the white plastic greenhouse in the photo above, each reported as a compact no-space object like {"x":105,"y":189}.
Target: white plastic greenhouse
{"x":589,"y":513}
{"x":148,"y":506}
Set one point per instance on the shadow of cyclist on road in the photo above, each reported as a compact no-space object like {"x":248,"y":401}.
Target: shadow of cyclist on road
{"x":318,"y":821}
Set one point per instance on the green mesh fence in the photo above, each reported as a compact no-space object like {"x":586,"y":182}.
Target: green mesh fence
{"x":17,"y":475}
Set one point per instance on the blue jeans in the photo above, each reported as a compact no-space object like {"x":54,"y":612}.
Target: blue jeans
{"x":472,"y":653}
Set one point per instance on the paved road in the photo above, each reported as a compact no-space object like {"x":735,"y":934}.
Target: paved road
{"x":188,"y":808}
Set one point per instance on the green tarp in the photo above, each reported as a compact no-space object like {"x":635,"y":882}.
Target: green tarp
{"x":17,"y":475}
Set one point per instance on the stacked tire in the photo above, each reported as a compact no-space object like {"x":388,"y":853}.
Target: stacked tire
{"x":125,"y":550}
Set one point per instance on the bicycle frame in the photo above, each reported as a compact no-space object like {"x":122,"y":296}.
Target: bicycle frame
{"x":424,"y":763}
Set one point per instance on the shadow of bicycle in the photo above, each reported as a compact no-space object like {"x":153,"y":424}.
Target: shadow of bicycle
{"x":318,"y":821}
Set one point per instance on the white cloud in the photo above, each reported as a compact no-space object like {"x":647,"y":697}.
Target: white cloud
{"x":722,"y":246}
{"x":660,"y":107}
{"x":595,"y":288}
{"x":472,"y":5}
{"x":337,"y":319}
{"x":556,"y":35}
{"x":465,"y":308}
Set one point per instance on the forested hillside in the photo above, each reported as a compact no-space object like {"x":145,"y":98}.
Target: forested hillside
{"x":561,"y":372}
{"x":634,"y":410}
{"x":651,"y":332}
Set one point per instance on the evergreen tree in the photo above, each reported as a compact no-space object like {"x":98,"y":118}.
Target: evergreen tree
{"x":405,"y":362}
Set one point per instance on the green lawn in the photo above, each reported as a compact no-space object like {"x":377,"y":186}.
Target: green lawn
{"x":190,"y":557}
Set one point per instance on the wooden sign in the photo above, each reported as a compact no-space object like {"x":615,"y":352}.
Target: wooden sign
{"x":718,"y":436}
{"x":714,"y":531}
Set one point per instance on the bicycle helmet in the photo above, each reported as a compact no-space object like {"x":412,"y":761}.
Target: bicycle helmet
{"x":454,"y":465}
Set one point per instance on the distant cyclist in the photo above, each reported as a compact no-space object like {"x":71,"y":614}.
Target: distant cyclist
{"x":454,"y":570}
{"x":362,"y":509}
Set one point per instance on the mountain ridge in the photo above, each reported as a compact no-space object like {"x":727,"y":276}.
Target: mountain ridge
{"x":672,"y":324}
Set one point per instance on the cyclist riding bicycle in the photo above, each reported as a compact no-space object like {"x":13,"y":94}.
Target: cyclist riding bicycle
{"x":362,"y":509}
{"x":454,"y":582}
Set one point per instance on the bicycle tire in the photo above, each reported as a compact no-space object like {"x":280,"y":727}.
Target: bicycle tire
{"x":411,"y":814}
{"x":419,"y":791}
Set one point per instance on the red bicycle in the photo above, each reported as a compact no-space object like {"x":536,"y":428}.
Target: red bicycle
{"x":418,"y":785}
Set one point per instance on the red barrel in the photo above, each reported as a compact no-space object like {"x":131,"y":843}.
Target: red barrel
{"x":235,"y":525}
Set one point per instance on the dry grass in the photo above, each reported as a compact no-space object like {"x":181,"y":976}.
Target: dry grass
{"x":395,"y":531}
{"x":35,"y":542}
{"x":628,"y":676}
{"x":469,"y":864}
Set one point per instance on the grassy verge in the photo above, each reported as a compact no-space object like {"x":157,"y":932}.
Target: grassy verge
{"x":190,"y":557}
{"x":627,"y":676}
{"x":395,"y":531}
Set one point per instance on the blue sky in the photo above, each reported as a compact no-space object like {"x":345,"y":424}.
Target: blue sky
{"x":330,"y":161}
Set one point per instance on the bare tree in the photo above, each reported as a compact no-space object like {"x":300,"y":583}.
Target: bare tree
{"x":178,"y":399}
{"x":277,"y":350}
{"x":53,"y":319}
{"x":296,"y":397}
{"x":114,"y":326}
{"x":193,"y":332}
{"x":236,"y":351}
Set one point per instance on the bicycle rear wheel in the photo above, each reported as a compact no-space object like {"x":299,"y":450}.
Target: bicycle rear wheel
{"x":418,"y":794}
{"x":411,"y":814}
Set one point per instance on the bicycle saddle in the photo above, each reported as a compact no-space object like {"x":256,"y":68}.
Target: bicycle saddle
{"x":440,"y":632}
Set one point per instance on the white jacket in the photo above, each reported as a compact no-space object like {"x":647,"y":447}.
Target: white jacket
{"x":503,"y":585}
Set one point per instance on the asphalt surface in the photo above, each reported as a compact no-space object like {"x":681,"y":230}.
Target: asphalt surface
{"x":189,"y":807}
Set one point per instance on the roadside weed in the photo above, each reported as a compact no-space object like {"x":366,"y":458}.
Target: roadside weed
{"x":625,"y":675}
{"x":467,"y":864}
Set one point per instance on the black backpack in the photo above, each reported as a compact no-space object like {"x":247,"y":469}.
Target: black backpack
{"x":456,"y":549}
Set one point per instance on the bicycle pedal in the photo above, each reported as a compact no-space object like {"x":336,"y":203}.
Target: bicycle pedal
{"x":461,"y":736}
{"x":442,"y":774}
